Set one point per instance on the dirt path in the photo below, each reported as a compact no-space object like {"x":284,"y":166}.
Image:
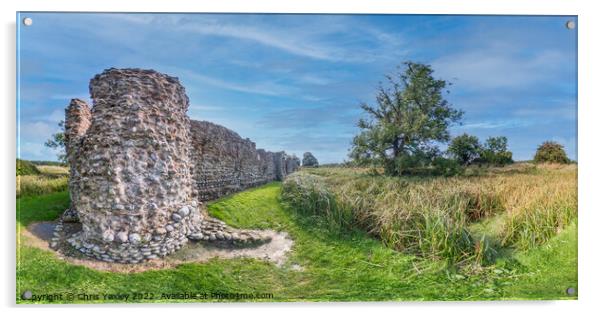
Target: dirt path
{"x":39,"y":234}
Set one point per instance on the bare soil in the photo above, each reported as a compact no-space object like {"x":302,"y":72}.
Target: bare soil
{"x":39,"y":235}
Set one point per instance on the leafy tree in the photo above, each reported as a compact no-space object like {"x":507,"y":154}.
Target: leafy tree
{"x":495,"y":151}
{"x":309,"y":160}
{"x":465,"y":148}
{"x":25,"y":168}
{"x":409,"y":118}
{"x":57,"y":142}
{"x":551,"y":151}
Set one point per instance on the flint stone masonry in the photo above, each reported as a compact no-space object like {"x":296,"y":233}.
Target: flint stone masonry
{"x":139,"y":169}
{"x":225,"y":163}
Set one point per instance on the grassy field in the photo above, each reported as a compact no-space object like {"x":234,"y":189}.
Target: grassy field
{"x":338,"y":262}
{"x":463,"y":220}
{"x":48,"y":179}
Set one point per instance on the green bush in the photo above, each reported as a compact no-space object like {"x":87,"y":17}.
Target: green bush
{"x":309,"y":160}
{"x":25,"y":167}
{"x":551,"y":152}
{"x":495,"y":151}
{"x":465,"y":148}
{"x":446,"y":167}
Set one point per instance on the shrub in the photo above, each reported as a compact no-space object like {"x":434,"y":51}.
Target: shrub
{"x":495,"y":151}
{"x":446,"y":167}
{"x":309,"y":160}
{"x":25,"y":167}
{"x":551,"y":152}
{"x":465,"y":148}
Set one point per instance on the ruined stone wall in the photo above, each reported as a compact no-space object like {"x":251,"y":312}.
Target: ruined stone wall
{"x":225,"y":163}
{"x":77,"y":123}
{"x":139,"y":168}
{"x":133,"y":190}
{"x":292,"y":164}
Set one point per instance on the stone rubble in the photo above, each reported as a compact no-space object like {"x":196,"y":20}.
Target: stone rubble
{"x":140,"y":169}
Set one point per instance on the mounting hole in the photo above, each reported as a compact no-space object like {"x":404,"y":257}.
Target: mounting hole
{"x":570,"y":291}
{"x":26,"y":295}
{"x":27,"y":21}
{"x":570,"y":25}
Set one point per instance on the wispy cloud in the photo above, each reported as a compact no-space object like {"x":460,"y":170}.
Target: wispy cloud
{"x":500,"y":124}
{"x":294,"y":82}
{"x":309,"y":40}
{"x":314,"y":79}
{"x":38,"y":130}
{"x":266,"y":87}
{"x":493,"y":67}
{"x":205,"y":107}
{"x":565,"y":111}
{"x":308,"y":117}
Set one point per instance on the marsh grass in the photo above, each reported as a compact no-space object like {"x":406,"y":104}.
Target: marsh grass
{"x":432,"y":217}
{"x":50,"y":179}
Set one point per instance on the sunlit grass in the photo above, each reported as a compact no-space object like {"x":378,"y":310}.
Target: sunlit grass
{"x":346,"y":264}
{"x":431,"y":217}
{"x":53,"y":170}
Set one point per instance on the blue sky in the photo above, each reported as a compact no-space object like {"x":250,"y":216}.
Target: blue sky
{"x":295,"y":82}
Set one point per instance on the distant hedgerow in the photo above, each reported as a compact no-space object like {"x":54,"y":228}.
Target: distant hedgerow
{"x":25,"y":167}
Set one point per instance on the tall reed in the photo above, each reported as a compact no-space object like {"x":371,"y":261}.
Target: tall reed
{"x":431,"y":217}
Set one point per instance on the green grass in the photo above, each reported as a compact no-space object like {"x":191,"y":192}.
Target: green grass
{"x":338,"y":264}
{"x":433,"y":217}
{"x":48,"y":179}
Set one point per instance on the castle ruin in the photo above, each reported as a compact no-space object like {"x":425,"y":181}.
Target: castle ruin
{"x":140,"y":169}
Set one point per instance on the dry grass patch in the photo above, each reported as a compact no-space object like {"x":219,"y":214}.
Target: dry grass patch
{"x":431,"y":216}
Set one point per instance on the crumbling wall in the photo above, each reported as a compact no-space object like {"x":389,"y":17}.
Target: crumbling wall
{"x":133,"y":189}
{"x":292,"y":164}
{"x":140,"y":167}
{"x":76,"y":125}
{"x":225,"y":163}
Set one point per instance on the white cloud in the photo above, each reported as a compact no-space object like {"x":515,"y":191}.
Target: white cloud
{"x":205,"y":107}
{"x":35,"y":151}
{"x":562,"y":111}
{"x":314,"y":80}
{"x":38,"y":130}
{"x":265,"y":88}
{"x":308,"y":39}
{"x":497,"y":67}
{"x":56,"y":116}
{"x":496,"y":124}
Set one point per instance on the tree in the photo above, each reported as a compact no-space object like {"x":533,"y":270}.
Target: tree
{"x":25,"y":168}
{"x":409,"y":118}
{"x":495,"y":151}
{"x":465,"y":148}
{"x":309,"y":160}
{"x":552,"y":152}
{"x":57,"y":142}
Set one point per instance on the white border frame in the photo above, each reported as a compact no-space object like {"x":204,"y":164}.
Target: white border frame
{"x":589,"y":143}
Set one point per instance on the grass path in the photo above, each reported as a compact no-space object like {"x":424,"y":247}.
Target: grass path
{"x":335,"y":265}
